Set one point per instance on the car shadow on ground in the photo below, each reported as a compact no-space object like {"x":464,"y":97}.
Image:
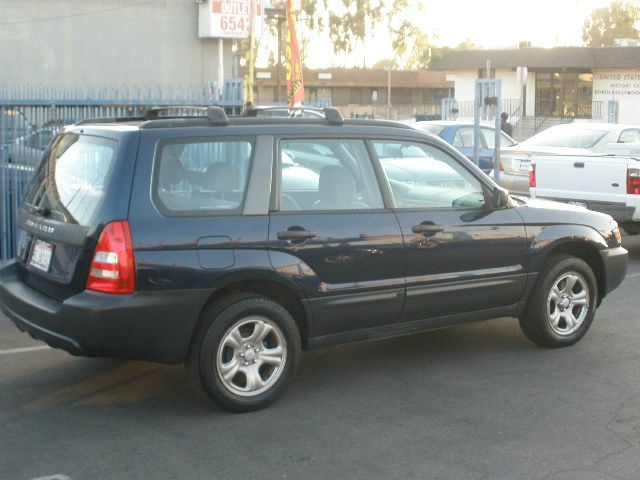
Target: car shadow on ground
{"x":63,"y":381}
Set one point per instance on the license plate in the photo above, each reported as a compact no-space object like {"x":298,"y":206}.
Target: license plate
{"x":524,"y":165}
{"x":579,"y":204}
{"x":42,"y":255}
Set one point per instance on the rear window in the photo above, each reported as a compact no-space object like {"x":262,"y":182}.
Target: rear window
{"x":572,"y":138}
{"x":434,"y":128}
{"x":203,"y":176}
{"x":71,"y":181}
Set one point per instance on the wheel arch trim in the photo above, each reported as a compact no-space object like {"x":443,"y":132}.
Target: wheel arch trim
{"x":578,"y":240}
{"x":266,"y":283}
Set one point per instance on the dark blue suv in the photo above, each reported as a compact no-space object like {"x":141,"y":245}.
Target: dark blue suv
{"x":232,"y":244}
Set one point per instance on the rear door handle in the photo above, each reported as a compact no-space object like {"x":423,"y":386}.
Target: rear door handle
{"x":428,"y":228}
{"x":578,"y":164}
{"x":295,"y":234}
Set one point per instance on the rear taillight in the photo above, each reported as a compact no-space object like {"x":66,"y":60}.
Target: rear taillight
{"x":633,"y":181}
{"x":532,"y":175}
{"x":112,"y":268}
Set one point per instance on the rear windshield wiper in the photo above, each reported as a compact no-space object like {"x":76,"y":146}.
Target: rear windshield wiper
{"x":42,"y":211}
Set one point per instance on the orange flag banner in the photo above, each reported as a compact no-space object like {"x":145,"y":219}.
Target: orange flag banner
{"x":295,"y":86}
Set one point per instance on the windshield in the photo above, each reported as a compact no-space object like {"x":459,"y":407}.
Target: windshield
{"x":572,"y":138}
{"x":72,"y":179}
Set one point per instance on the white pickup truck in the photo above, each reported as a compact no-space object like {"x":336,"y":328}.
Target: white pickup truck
{"x":606,"y":183}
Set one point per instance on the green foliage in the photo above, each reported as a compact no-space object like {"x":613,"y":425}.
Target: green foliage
{"x":618,"y":20}
{"x":349,"y":22}
{"x":411,"y":46}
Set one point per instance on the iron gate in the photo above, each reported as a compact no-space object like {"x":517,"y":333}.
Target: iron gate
{"x":30,"y":117}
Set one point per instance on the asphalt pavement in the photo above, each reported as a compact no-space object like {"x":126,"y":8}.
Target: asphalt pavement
{"x":476,"y":401}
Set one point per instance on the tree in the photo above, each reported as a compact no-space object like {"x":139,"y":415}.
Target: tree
{"x":618,"y":20}
{"x":347,"y":21}
{"x":350,"y":22}
{"x":412,"y":47}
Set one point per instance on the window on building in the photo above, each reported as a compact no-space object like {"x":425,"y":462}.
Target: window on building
{"x":564,"y":94}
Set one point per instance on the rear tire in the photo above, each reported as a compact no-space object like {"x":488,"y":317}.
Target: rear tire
{"x":563,"y":303}
{"x":245,"y":353}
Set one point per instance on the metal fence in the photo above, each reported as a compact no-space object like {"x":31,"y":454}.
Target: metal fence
{"x":31,"y":116}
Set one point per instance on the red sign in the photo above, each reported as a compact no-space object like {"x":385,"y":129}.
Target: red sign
{"x":231,"y":18}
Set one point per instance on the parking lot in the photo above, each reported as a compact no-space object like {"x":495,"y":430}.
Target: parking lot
{"x":477,"y":401}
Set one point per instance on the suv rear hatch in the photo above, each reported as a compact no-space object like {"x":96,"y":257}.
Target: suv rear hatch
{"x":67,"y":204}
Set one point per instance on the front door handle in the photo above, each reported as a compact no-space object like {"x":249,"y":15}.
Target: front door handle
{"x":295,"y":234}
{"x":578,"y":164}
{"x":427,"y":228}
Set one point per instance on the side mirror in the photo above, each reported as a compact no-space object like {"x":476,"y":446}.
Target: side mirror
{"x":500,"y":197}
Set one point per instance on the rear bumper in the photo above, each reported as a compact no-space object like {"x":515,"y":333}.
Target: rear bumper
{"x":615,"y":267}
{"x":516,"y":184}
{"x":620,"y":212}
{"x":152,"y":326}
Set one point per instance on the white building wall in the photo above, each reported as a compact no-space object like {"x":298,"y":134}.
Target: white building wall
{"x":510,"y":89}
{"x":620,"y":85}
{"x":106,"y":42}
{"x":530,"y":106}
{"x":466,"y":79}
{"x":465,"y":85}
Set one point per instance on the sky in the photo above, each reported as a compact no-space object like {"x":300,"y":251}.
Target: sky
{"x":487,"y":23}
{"x":491,"y":23}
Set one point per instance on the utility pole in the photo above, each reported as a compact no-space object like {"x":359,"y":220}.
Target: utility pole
{"x":279,"y":15}
{"x":252,"y":54}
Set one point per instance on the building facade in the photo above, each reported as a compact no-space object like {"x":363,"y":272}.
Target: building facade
{"x":564,"y":83}
{"x":360,"y":91}
{"x":107,"y":42}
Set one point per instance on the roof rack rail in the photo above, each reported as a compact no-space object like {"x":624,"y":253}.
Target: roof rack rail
{"x":333,"y":116}
{"x":86,"y":121}
{"x":215,"y":114}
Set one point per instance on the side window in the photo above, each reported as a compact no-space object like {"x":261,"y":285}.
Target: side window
{"x":629,"y":136}
{"x":489,"y":138}
{"x":327,"y":174}
{"x":430,"y":180}
{"x":505,"y":141}
{"x":457,"y":140}
{"x":200,"y":176}
{"x":466,"y":136}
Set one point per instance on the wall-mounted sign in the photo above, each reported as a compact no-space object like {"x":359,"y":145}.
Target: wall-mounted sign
{"x":621,"y":86}
{"x":230,"y":18}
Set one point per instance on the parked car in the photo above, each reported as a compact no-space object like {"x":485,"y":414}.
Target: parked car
{"x":605,"y":183}
{"x":14,"y":126}
{"x":27,"y":148}
{"x":579,"y":138}
{"x":203,"y":241}
{"x":461,"y":136}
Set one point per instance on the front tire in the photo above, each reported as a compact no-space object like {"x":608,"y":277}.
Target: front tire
{"x":563,"y":303}
{"x":245,"y":353}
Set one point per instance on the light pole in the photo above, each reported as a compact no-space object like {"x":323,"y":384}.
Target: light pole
{"x":389,"y":91}
{"x":280,"y":15}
